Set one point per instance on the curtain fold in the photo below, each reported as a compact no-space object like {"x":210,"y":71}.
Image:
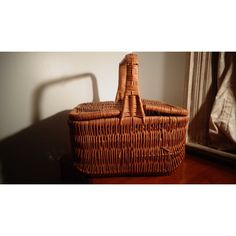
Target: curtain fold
{"x":211,"y":99}
{"x":200,"y":96}
{"x":222,"y":124}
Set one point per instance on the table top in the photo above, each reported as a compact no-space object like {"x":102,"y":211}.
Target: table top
{"x":195,"y":169}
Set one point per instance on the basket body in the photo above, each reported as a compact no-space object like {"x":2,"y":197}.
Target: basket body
{"x":109,"y":139}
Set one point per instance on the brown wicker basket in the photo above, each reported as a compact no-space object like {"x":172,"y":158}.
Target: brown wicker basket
{"x":130,"y":136}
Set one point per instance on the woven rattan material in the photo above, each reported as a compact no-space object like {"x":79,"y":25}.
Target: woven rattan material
{"x":130,"y":136}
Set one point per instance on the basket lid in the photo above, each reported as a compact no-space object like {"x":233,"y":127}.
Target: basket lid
{"x":90,"y":111}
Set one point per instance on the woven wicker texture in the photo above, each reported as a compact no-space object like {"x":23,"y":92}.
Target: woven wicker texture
{"x":130,"y":136}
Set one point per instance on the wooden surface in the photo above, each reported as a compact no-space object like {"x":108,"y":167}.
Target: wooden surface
{"x":195,"y":169}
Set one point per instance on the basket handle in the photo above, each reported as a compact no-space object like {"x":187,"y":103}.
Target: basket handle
{"x":128,"y":89}
{"x":122,"y":81}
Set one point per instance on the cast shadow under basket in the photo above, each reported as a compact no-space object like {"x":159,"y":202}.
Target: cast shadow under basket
{"x":41,"y":153}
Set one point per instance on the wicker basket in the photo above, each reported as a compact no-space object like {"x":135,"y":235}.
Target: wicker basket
{"x":130,"y":136}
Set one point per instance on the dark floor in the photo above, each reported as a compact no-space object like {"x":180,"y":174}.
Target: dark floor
{"x":195,"y":169}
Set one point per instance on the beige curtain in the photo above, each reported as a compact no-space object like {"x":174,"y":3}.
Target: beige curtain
{"x":222,"y":126}
{"x":211,"y":99}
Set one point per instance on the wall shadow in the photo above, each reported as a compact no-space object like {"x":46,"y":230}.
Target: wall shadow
{"x":41,"y":153}
{"x":38,"y":93}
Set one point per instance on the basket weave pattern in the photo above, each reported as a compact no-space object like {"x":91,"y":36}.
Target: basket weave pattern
{"x":130,"y":136}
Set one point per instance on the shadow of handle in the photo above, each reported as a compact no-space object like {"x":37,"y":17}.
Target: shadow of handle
{"x":37,"y":95}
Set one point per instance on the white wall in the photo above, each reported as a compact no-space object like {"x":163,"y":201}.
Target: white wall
{"x":162,"y":76}
{"x":25,"y":78}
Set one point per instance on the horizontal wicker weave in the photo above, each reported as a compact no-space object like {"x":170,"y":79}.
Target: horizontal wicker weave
{"x":130,"y":136}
